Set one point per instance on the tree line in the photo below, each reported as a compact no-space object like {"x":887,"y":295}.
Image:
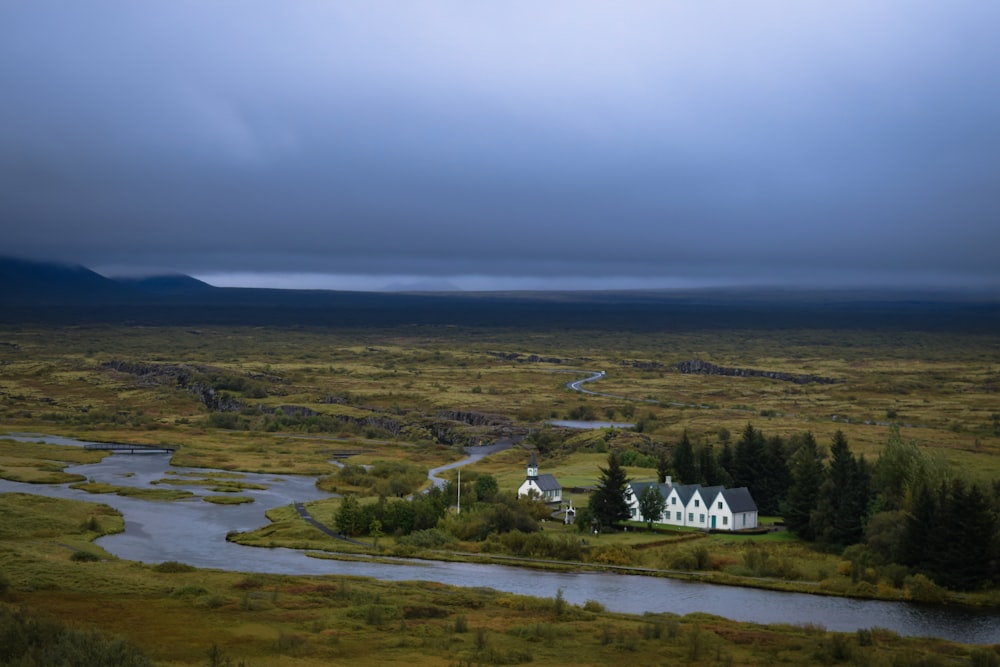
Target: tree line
{"x":908,"y":512}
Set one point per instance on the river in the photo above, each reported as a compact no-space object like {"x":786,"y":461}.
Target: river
{"x":194,"y":532}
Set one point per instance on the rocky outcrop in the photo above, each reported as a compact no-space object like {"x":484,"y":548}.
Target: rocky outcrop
{"x":643,"y":365}
{"x":156,"y":372}
{"x":217,"y":401}
{"x":697,"y":366}
{"x":473,"y":418}
{"x":531,"y":358}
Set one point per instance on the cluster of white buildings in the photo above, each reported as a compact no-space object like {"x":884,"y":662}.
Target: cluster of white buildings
{"x":697,"y":506}
{"x":691,"y":505}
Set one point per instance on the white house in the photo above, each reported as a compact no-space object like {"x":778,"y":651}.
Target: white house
{"x":733,"y":509}
{"x":544,"y":486}
{"x":697,"y":506}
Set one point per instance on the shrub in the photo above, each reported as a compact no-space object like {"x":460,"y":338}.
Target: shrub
{"x":559,"y":604}
{"x":188,"y":591}
{"x":172,"y":566}
{"x":461,"y":624}
{"x":922,"y":589}
{"x":840,"y":648}
{"x":84,"y":557}
{"x":984,"y":657}
{"x":24,"y":633}
{"x":430,"y":538}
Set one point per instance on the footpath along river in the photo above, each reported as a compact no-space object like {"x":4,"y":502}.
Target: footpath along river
{"x":194,"y":532}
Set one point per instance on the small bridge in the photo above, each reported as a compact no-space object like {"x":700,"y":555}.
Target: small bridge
{"x":122,"y":448}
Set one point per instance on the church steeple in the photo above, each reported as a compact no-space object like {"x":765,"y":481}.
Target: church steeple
{"x":532,"y":467}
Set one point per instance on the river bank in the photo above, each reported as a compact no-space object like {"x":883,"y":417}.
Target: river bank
{"x":195,"y":533}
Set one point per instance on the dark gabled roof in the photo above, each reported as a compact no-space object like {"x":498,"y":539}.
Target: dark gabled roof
{"x":639,"y":487}
{"x":547,"y":482}
{"x":709,"y":493}
{"x":739,"y":500}
{"x":685,"y":491}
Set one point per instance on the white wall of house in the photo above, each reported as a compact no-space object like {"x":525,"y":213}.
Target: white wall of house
{"x":674,"y":511}
{"x":697,"y":511}
{"x":700,"y":511}
{"x":530,"y":486}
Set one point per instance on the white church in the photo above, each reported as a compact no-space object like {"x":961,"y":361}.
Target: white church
{"x":542,"y":486}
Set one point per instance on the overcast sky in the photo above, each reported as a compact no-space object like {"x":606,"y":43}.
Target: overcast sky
{"x":505,"y":144}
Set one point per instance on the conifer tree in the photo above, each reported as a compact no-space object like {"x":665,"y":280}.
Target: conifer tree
{"x":708,"y":467}
{"x":919,"y":527}
{"x":773,"y":477}
{"x":807,"y":475}
{"x":842,"y":507}
{"x":607,"y":502}
{"x":684,"y":462}
{"x":727,"y":464}
{"x":663,"y":467}
{"x":748,"y":459}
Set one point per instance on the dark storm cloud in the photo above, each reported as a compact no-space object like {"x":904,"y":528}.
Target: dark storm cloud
{"x":697,"y":141}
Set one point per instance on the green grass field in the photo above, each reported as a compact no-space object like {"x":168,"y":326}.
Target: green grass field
{"x":301,"y":398}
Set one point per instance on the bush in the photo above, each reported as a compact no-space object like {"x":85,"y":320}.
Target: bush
{"x":23,"y":634}
{"x":985,"y":657}
{"x":431,"y":538}
{"x":172,"y":566}
{"x":922,"y":589}
{"x":84,"y":557}
{"x":461,"y":624}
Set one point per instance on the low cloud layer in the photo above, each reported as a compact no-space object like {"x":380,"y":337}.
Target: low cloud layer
{"x":522,"y":143}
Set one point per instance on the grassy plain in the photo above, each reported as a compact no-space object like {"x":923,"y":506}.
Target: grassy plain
{"x":309,"y":396}
{"x":940,"y":387}
{"x":182,"y":616}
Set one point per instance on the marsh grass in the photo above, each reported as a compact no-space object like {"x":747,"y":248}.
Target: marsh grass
{"x":38,"y":463}
{"x":228,"y":500}
{"x":941,"y":387}
{"x":179,"y":615}
{"x":132,"y":491}
{"x":943,"y":384}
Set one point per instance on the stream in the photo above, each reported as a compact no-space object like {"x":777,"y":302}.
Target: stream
{"x":194,"y":532}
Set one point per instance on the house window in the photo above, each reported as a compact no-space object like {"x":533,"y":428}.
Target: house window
{"x":678,"y":516}
{"x":696,"y":502}
{"x":690,"y":517}
{"x":673,"y":500}
{"x":701,"y":518}
{"x":720,"y":504}
{"x":725,"y":521}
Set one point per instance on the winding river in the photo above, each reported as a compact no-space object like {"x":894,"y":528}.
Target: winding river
{"x":194,"y":532}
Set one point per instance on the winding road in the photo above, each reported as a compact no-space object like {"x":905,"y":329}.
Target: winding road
{"x":577,"y":385}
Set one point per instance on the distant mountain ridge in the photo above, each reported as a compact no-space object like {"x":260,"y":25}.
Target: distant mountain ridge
{"x":34,"y":282}
{"x":174,"y":283}
{"x":59,"y":294}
